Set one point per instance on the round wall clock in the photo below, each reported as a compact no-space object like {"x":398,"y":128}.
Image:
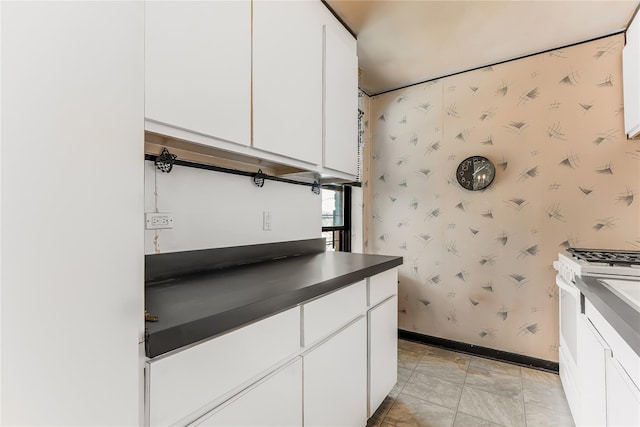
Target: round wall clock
{"x":475,"y":173}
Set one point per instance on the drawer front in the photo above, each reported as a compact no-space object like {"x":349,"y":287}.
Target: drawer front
{"x":274,"y":401}
{"x":382,"y":286}
{"x":329,"y":313}
{"x":200,"y":376}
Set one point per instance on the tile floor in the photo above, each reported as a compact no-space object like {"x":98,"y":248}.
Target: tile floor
{"x":438,"y":387}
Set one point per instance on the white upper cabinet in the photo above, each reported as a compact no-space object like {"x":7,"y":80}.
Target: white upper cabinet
{"x":631,"y":79}
{"x":340,"y":98}
{"x":287,"y":78}
{"x":267,"y":79}
{"x":198,"y":67}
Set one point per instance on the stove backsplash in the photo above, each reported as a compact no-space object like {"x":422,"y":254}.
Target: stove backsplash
{"x":478,"y":265}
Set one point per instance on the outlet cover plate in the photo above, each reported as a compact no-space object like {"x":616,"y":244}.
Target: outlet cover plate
{"x":158,"y":220}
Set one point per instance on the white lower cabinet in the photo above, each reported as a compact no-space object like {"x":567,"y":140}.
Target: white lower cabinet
{"x":623,"y":403}
{"x":335,"y":379}
{"x":383,"y":354}
{"x":185,"y":385}
{"x":275,"y":401}
{"x":327,"y":363}
{"x":593,"y":353}
{"x":608,"y":374}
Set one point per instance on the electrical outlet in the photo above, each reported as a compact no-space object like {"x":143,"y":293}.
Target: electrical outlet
{"x":158,"y":220}
{"x":266,"y":221}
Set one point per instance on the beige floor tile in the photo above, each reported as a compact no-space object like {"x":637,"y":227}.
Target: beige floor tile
{"x":549,"y":397}
{"x":404,"y":374}
{"x":494,"y":382}
{"x":538,"y":416}
{"x":412,"y":346}
{"x":437,"y":351}
{"x":403,"y":377}
{"x":447,"y":366}
{"x":490,"y":393}
{"x":494,"y":365}
{"x":408,"y":411}
{"x":464,"y":420}
{"x":539,"y":376}
{"x":491,"y":407}
{"x":408,"y":359}
{"x":434,"y":390}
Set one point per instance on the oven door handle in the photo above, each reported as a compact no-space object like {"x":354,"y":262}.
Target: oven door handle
{"x":564,"y":285}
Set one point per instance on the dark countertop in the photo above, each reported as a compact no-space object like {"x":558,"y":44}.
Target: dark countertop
{"x":622,"y":317}
{"x":199,"y":306}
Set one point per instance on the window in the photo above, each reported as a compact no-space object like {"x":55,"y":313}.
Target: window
{"x":336,"y":217}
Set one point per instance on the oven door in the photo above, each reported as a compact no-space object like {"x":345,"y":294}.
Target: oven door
{"x":568,"y":353}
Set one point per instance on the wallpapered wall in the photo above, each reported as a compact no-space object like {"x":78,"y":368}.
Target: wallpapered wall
{"x":478,"y":265}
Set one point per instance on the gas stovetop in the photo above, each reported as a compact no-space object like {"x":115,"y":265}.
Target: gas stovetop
{"x":607,"y":256}
{"x":609,"y":263}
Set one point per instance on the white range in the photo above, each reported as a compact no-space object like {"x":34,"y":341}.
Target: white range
{"x":617,"y":270}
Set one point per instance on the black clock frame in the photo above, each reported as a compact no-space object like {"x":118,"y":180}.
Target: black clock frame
{"x":465,"y":176}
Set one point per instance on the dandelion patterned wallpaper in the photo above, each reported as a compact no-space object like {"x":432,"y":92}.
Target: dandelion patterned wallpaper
{"x":478,"y":265}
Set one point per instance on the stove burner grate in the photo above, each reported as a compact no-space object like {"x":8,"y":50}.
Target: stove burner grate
{"x":609,"y":256}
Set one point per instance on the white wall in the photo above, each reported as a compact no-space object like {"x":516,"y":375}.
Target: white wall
{"x":72,"y":200}
{"x":214,"y":210}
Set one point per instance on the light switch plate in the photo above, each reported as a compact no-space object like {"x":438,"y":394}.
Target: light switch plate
{"x":266,"y":220}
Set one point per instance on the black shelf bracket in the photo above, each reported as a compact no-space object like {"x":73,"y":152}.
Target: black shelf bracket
{"x":165,"y":162}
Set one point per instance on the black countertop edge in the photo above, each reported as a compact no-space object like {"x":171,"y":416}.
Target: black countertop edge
{"x":166,"y":340}
{"x":159,"y":267}
{"x":622,"y":317}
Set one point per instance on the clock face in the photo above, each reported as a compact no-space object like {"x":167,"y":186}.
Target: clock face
{"x":475,"y":173}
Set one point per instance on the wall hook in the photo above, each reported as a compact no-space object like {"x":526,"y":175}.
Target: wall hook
{"x":258,"y":178}
{"x":165,"y":161}
{"x":315,"y":187}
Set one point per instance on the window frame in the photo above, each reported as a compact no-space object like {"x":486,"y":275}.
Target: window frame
{"x":341,"y":234}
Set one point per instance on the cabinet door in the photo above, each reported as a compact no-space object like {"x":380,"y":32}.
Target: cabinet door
{"x":592,"y":354}
{"x":275,"y":401}
{"x":383,"y":351}
{"x":623,"y":397}
{"x":198,"y":67}
{"x":631,"y":78}
{"x":335,"y":379}
{"x":340,"y":99}
{"x":287,"y":78}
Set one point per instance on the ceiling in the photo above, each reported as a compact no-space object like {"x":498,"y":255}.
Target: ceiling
{"x":405,"y":42}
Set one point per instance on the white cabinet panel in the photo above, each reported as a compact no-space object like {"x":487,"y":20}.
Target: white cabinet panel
{"x":287,"y":78}
{"x":382,"y":286}
{"x":72,"y":96}
{"x":198,"y":376}
{"x":340,"y":99}
{"x":335,"y":380}
{"x":383,"y":351}
{"x":326,"y":315}
{"x":619,"y":347}
{"x":198,"y":67}
{"x":631,"y":78}
{"x":592,"y":354}
{"x":623,"y":397}
{"x":275,"y":401}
